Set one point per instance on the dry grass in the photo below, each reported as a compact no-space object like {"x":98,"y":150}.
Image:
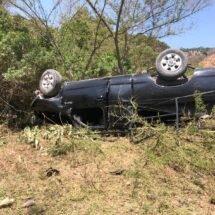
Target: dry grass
{"x":166,"y":173}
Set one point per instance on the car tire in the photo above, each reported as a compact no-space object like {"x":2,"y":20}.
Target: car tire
{"x":171,"y":64}
{"x":50,"y":83}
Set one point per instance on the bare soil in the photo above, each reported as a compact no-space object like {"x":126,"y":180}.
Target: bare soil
{"x":119,"y":177}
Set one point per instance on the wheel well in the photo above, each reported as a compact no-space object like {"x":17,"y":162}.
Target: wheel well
{"x":90,"y":116}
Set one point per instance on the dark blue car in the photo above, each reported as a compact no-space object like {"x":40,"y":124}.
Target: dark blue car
{"x":101,"y":102}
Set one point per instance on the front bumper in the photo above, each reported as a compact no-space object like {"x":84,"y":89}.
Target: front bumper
{"x":51,"y":105}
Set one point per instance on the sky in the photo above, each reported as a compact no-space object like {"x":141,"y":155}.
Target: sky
{"x":202,"y":32}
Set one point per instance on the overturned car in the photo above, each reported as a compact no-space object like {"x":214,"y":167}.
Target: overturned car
{"x":100,"y":103}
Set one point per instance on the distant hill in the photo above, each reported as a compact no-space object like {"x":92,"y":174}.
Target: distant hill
{"x":202,"y":50}
{"x":208,"y":61}
{"x":198,"y":56}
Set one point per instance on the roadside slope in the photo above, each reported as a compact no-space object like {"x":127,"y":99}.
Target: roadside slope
{"x":165,"y":173}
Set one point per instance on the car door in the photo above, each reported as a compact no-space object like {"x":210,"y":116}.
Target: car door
{"x":119,"y":100}
{"x":88,"y":100}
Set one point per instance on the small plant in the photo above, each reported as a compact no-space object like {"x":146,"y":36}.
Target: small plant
{"x":60,"y":149}
{"x":199,"y":183}
{"x":136,"y":174}
{"x":148,"y":209}
{"x":56,"y":133}
{"x":163,"y":207}
{"x":212,"y":200}
{"x":65,"y":140}
{"x":31,"y":136}
{"x":199,"y":103}
{"x":36,"y":210}
{"x":2,"y":141}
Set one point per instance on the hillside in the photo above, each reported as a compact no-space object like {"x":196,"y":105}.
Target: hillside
{"x":201,"y":57}
{"x":209,"y":61}
{"x":65,"y":171}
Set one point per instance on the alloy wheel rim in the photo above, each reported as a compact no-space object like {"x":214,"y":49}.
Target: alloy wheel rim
{"x":171,"y":62}
{"x":48,"y":81}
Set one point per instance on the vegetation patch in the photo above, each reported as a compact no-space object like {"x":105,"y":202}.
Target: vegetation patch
{"x":166,"y":172}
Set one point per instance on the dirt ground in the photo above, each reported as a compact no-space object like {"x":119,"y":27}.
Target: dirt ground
{"x":108,"y":175}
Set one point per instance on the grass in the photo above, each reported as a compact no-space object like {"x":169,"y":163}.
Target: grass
{"x":167,"y":172}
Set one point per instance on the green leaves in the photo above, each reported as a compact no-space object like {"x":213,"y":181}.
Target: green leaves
{"x":22,"y":55}
{"x":82,"y":45}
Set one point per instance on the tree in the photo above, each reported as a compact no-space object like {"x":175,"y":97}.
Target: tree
{"x":3,"y":4}
{"x":153,"y":18}
{"x":73,"y":39}
{"x":83,"y":41}
{"x":23,"y":55}
{"x":42,"y":19}
{"x":46,"y":18}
